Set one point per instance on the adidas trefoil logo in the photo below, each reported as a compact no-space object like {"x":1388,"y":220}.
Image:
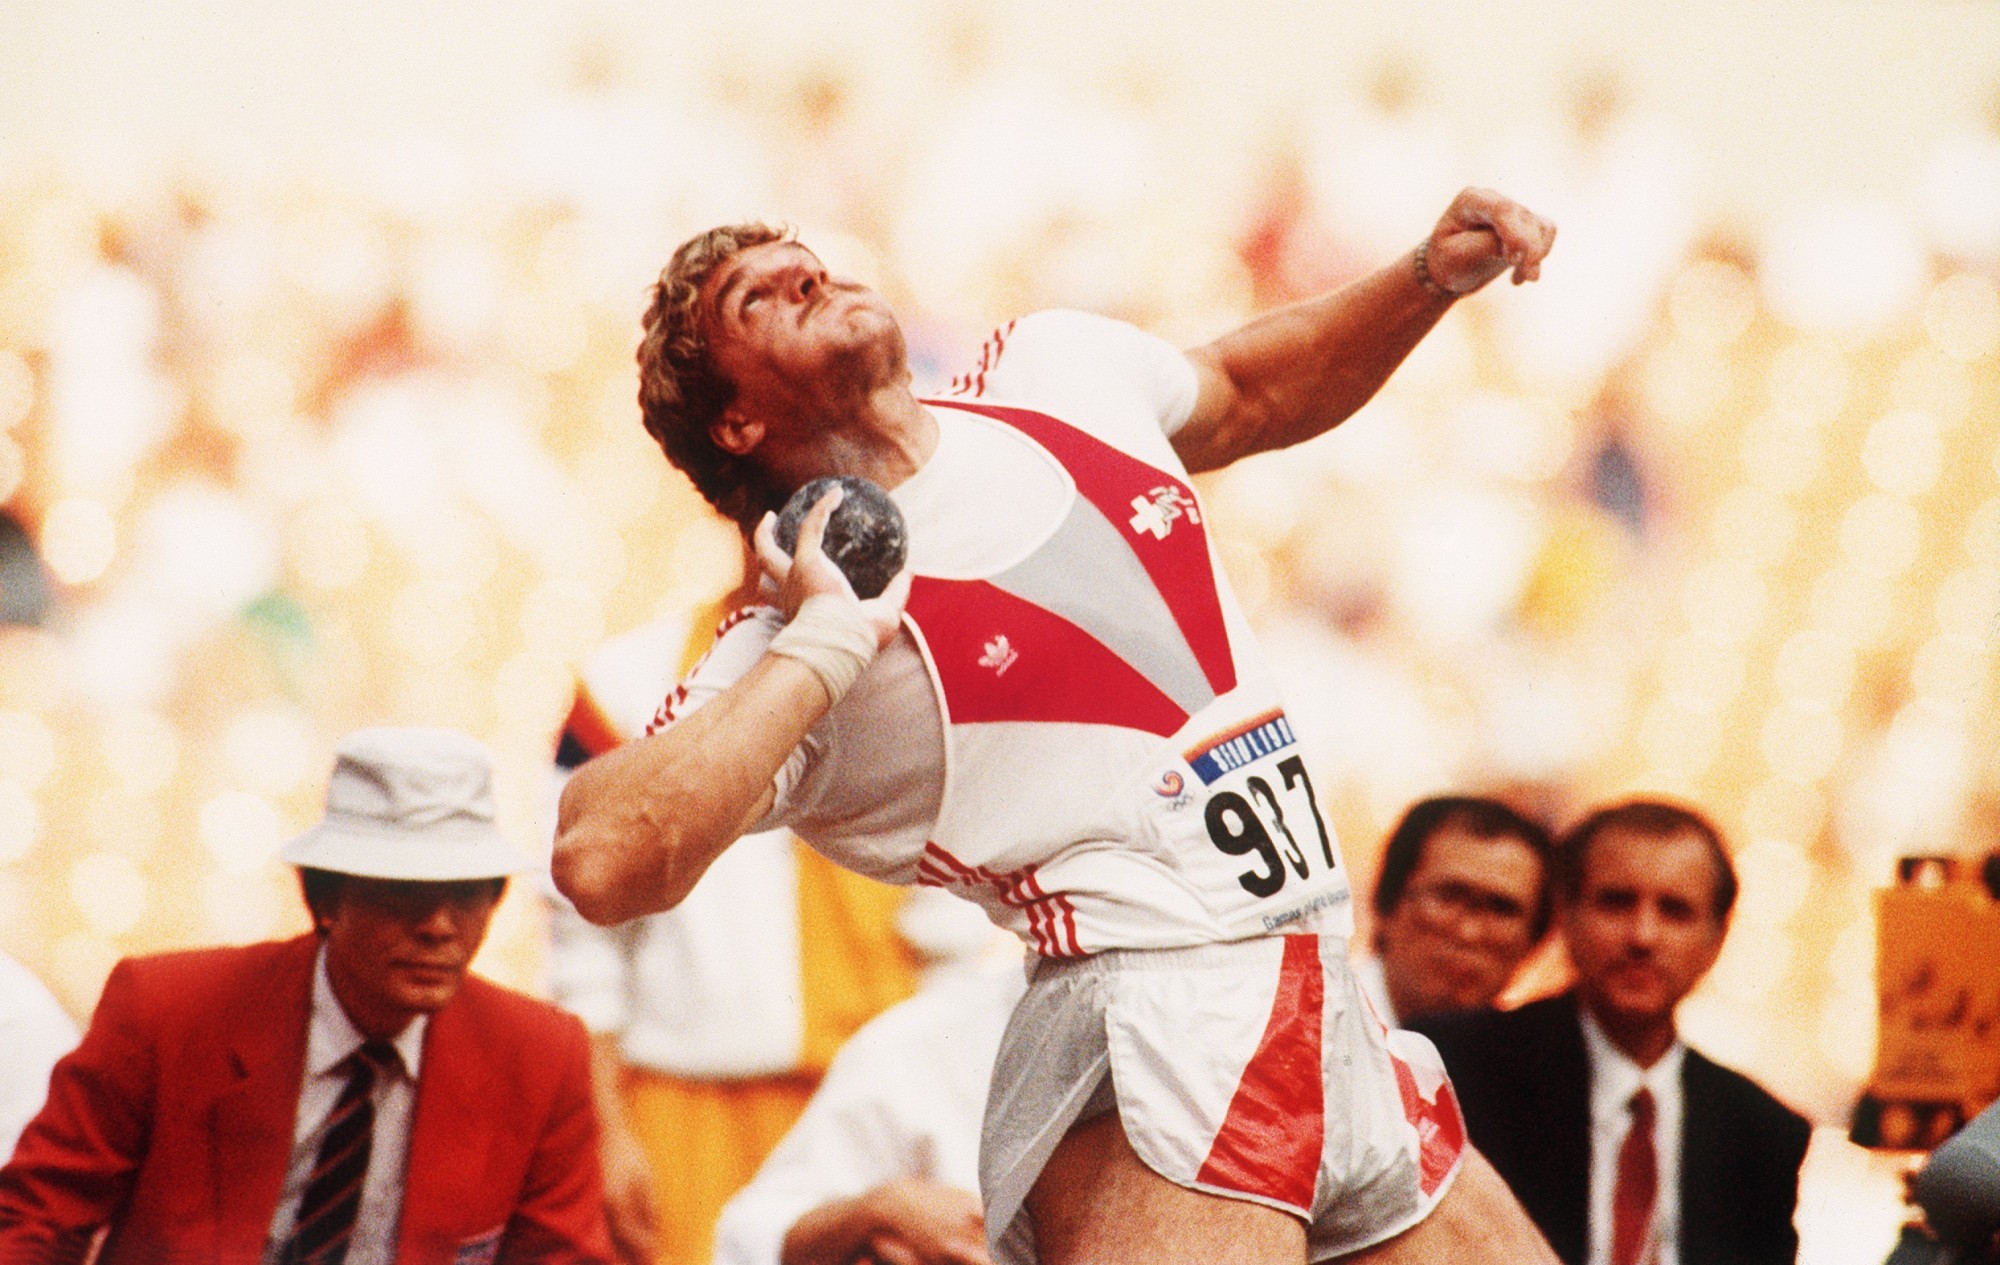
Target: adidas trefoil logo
{"x":1000,"y":655}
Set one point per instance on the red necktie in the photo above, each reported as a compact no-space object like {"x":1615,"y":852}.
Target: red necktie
{"x":1638,"y":1185}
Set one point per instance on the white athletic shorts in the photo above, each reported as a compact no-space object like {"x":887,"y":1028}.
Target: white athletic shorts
{"x":1252,"y":1069}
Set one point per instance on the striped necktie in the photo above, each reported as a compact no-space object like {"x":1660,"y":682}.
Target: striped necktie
{"x":325,"y":1223}
{"x":1637,"y":1187}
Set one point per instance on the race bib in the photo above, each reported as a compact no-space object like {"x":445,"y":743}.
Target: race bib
{"x":1260,"y":847}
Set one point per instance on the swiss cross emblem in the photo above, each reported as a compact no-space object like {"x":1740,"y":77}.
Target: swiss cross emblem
{"x":1156,"y":512}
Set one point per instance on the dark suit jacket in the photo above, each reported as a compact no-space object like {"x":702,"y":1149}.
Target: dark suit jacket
{"x":171,"y":1124}
{"x":1523,"y":1081}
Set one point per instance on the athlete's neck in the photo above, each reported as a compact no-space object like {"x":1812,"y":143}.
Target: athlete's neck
{"x":886,"y":440}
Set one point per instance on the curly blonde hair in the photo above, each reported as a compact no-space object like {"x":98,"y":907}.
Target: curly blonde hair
{"x":681,"y":393}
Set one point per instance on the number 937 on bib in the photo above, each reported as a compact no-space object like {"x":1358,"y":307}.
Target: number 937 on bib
{"x":1251,"y":833}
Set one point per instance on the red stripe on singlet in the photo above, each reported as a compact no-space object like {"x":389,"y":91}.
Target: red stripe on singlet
{"x":999,"y":657}
{"x":1051,"y":921}
{"x":973,"y":380}
{"x":1063,"y":909}
{"x":669,"y":711}
{"x":979,"y":877}
{"x":1178,"y":562}
{"x":1020,"y":890}
{"x":964,"y":872}
{"x":1269,"y":1144}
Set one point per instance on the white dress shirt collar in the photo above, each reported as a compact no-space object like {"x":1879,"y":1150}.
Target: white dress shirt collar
{"x":332,"y":1036}
{"x":1615,"y":1077}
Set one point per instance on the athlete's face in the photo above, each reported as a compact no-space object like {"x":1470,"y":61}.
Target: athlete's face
{"x":1463,"y":924}
{"x":793,"y":340}
{"x":1643,"y":929}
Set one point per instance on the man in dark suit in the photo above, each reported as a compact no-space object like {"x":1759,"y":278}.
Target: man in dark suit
{"x":350,"y":1097}
{"x":1625,"y":1146}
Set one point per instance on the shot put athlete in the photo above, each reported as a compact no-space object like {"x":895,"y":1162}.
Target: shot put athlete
{"x":1057,"y":711}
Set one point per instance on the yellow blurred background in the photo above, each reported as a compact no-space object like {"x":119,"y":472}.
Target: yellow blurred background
{"x":316,"y":403}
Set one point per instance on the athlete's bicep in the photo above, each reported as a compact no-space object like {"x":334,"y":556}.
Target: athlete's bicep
{"x":638,"y":825}
{"x":762,"y":816}
{"x":1208,"y":438}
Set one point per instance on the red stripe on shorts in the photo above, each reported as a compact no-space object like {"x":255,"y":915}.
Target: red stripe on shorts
{"x":1440,"y":1128}
{"x":1269,"y":1144}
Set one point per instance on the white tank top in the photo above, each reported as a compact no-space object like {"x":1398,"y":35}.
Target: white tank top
{"x":1078,"y":732}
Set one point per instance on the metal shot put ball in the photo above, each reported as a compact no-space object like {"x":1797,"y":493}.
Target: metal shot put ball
{"x":865,"y":537}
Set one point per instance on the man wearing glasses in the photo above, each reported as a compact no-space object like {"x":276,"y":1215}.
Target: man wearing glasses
{"x":1461,"y":901}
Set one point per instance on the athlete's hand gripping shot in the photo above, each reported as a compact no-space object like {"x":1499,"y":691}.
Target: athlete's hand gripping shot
{"x":1058,"y":712}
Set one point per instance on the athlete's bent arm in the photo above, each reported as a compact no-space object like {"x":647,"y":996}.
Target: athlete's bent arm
{"x":1303,"y":369}
{"x":641,"y":823}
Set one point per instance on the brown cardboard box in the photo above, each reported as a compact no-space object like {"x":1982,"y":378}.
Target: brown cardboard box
{"x":1937,"y":979}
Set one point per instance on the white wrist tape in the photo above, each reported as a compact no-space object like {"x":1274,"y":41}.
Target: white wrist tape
{"x":833,"y":638}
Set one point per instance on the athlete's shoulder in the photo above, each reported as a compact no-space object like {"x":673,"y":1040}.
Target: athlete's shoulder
{"x":1101,"y":372}
{"x":740,"y":640}
{"x":1063,"y":324}
{"x":1054,"y":339}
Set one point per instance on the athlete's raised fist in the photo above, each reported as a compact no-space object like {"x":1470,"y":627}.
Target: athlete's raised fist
{"x":1481,"y":235}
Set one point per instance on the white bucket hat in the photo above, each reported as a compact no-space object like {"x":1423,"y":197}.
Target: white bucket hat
{"x":409,"y":804}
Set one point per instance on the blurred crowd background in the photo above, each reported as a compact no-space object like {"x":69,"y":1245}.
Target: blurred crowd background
{"x":316,"y":405}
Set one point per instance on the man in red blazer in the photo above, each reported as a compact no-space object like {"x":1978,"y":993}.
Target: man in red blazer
{"x":351,"y":1097}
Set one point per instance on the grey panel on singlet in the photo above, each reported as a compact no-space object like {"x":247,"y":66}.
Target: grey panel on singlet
{"x":1087,"y":574}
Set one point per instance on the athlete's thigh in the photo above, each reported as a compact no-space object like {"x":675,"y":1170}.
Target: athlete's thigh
{"x":1096,"y":1203}
{"x":1478,"y":1222}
